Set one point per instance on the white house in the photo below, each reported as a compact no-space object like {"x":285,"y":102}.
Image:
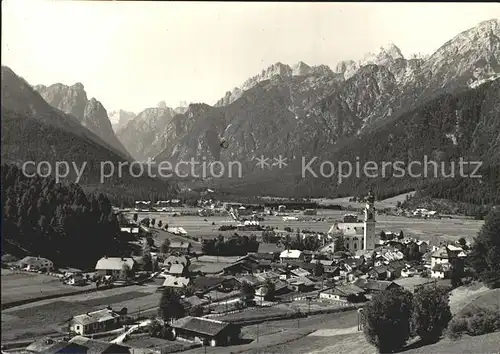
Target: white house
{"x":97,"y":321}
{"x":36,"y":263}
{"x":175,"y":282}
{"x":114,"y":266}
{"x":291,"y":255}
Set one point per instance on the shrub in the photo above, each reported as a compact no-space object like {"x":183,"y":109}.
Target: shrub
{"x":456,"y":327}
{"x":474,"y":322}
{"x":431,"y":313}
{"x":386,"y":319}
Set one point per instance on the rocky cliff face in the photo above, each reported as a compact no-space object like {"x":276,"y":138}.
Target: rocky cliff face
{"x":90,"y":112}
{"x":120,"y":118}
{"x":143,"y":136}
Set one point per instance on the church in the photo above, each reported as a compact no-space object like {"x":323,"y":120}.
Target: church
{"x":358,"y":235}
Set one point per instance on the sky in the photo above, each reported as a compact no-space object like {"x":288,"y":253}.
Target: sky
{"x":132,"y":55}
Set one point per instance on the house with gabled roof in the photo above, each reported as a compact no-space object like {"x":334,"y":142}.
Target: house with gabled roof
{"x":371,"y":286}
{"x":95,"y":346}
{"x":115,"y":266}
{"x":170,"y":260}
{"x":348,"y":292}
{"x":291,"y":255}
{"x":175,"y":282}
{"x":36,"y":263}
{"x":208,"y":331}
{"x":97,"y":321}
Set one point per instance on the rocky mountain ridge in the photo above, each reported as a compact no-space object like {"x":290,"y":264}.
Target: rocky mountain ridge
{"x":148,"y":125}
{"x":281,"y":112}
{"x":303,"y":110}
{"x":120,"y":118}
{"x":33,"y":130}
{"x":90,"y":112}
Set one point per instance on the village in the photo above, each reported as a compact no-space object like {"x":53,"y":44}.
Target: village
{"x":237,"y":278}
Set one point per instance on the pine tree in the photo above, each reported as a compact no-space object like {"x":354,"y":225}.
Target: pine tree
{"x":485,"y":252}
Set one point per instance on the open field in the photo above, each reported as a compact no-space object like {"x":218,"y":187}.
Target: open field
{"x":432,"y":230}
{"x":356,"y":343}
{"x":490,"y":299}
{"x":464,"y":295}
{"x":18,"y":286}
{"x":24,"y":321}
{"x":484,"y":344}
{"x":382,"y":204}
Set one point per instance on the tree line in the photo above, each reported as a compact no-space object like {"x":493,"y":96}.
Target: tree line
{"x":57,"y":221}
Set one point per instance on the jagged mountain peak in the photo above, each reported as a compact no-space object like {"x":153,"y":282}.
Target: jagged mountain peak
{"x":384,"y":56}
{"x":301,"y":69}
{"x":78,"y":86}
{"x":89,"y":112}
{"x":471,"y":56}
{"x":162,"y":104}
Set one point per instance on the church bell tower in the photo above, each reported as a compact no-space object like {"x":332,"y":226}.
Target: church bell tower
{"x":369,"y":223}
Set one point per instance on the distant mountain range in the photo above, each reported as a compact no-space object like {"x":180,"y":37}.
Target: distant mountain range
{"x":33,"y":130}
{"x":304,"y":110}
{"x":381,"y":107}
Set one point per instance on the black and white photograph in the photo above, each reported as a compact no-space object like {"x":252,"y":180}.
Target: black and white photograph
{"x":231,"y":177}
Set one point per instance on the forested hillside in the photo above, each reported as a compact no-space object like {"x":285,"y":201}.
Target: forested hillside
{"x":57,"y":221}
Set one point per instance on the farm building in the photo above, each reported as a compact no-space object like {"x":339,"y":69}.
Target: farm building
{"x":97,"y":321}
{"x":180,"y":247}
{"x":374,"y":286}
{"x":114,"y":266}
{"x":98,"y":346}
{"x":347,"y":292}
{"x":48,"y":345}
{"x":300,"y":284}
{"x":207,"y":331}
{"x":36,"y":263}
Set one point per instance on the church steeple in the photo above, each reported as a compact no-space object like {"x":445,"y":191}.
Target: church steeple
{"x":369,"y":223}
{"x":370,"y":208}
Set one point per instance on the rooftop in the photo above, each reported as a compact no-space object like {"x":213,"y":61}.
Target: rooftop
{"x":268,"y":248}
{"x":176,"y":260}
{"x":200,"y":325}
{"x":345,"y":290}
{"x":114,"y":263}
{"x":97,"y":347}
{"x":33,"y":260}
{"x":175,"y":282}
{"x":96,"y":316}
{"x":176,"y":269}
{"x":369,"y":284}
{"x":180,"y":244}
{"x":290,"y":254}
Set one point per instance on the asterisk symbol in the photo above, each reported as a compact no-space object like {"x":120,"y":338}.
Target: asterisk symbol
{"x":261,"y":161}
{"x":280,"y":161}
